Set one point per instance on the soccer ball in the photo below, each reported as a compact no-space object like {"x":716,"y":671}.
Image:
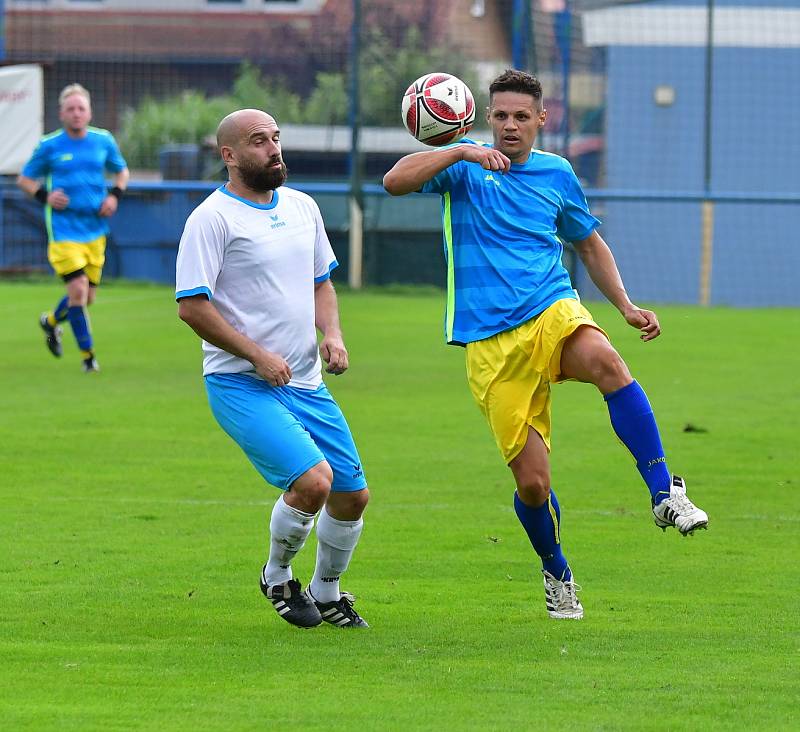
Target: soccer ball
{"x":438,"y":109}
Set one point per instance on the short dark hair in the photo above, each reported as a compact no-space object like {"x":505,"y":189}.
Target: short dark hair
{"x":513,"y":80}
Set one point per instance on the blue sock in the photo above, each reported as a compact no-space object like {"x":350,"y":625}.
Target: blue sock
{"x":80,"y":327}
{"x":635,"y":424}
{"x":62,"y":310}
{"x":542,"y":525}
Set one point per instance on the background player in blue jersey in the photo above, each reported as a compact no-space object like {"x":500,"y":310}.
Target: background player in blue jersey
{"x":253,"y":281}
{"x":73,"y":162}
{"x":506,"y":207}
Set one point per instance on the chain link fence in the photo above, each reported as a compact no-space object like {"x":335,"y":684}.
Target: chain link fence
{"x":679,"y":118}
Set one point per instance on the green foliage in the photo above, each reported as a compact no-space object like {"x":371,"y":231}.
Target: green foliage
{"x":329,"y":101}
{"x":187,"y":117}
{"x":386,"y":72}
{"x":252,"y":91}
{"x":191,"y":117}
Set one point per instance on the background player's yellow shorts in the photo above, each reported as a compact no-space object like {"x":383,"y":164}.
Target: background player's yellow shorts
{"x":67,"y":257}
{"x":510,"y":373}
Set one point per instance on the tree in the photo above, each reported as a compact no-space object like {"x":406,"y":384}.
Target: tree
{"x":386,"y":72}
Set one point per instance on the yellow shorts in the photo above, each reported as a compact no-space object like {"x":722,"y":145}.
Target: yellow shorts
{"x":510,"y":373}
{"x":67,"y":257}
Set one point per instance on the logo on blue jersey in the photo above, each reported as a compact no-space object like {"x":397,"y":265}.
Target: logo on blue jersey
{"x":278,"y":223}
{"x":357,"y":471}
{"x":66,"y":156}
{"x":490,"y":177}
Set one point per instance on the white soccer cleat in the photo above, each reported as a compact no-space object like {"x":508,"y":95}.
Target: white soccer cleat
{"x":678,"y":511}
{"x":562,"y":598}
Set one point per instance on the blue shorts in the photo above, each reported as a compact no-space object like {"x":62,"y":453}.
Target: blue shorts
{"x":285,"y":431}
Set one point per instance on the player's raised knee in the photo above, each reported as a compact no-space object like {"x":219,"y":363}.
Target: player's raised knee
{"x":612,"y":372}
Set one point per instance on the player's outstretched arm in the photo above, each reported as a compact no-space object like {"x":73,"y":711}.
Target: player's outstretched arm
{"x":599,"y":262}
{"x":326,"y":318}
{"x":205,"y":320}
{"x":411,"y":172}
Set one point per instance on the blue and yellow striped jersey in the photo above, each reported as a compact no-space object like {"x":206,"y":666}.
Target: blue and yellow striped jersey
{"x":78,"y":167}
{"x":502,"y":240}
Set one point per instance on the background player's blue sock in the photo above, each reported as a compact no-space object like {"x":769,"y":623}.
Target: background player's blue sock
{"x":635,"y":424}
{"x":62,"y":310}
{"x":80,"y":327}
{"x":60,"y":313}
{"x":542,"y":525}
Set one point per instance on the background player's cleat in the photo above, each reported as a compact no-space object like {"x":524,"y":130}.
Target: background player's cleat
{"x":53,"y":333}
{"x":341,"y":612}
{"x":562,"y":598}
{"x":678,"y":511}
{"x":291,"y":603}
{"x":90,"y":364}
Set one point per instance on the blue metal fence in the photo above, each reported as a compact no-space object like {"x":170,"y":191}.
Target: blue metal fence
{"x":671,"y":246}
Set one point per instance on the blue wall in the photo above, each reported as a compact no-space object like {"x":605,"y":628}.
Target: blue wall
{"x":657,"y":245}
{"x":754,"y":150}
{"x":755,"y":113}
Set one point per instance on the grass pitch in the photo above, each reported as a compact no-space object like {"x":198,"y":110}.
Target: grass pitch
{"x":132,"y":531}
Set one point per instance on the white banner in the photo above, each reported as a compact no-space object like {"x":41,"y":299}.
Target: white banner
{"x":21,"y":115}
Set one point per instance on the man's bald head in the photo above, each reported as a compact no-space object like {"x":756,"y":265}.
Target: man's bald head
{"x":249,"y":143}
{"x":235,"y":127}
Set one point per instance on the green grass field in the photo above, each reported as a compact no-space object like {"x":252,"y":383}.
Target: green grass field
{"x":132,"y":532}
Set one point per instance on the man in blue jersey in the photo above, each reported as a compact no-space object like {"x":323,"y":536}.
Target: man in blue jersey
{"x":72,"y":163}
{"x":506,"y":208}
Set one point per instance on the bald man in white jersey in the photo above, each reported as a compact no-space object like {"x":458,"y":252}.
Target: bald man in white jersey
{"x":253,"y":281}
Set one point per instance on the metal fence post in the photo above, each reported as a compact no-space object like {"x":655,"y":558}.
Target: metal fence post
{"x":356,"y":203}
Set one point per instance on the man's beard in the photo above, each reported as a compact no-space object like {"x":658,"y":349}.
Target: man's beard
{"x":260,"y":178}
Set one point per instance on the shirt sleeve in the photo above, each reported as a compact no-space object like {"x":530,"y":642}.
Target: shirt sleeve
{"x":200,"y":255}
{"x":114,"y":160}
{"x":324,"y":258}
{"x":574,"y":222}
{"x":444,"y":181}
{"x":39,"y":164}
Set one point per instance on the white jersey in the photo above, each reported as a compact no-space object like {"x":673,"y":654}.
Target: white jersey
{"x":259,"y":264}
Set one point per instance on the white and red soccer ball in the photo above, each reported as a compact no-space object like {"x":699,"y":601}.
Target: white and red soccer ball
{"x":438,"y":109}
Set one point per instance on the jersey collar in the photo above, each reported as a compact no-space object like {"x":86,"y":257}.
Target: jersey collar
{"x":261,"y":206}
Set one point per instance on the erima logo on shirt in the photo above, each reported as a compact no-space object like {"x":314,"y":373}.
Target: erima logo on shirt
{"x":277,"y":223}
{"x":490,"y":177}
{"x":358,"y":472}
{"x":65,"y":157}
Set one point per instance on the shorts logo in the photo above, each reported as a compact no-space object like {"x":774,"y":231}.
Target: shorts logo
{"x":277,"y":224}
{"x":357,"y":471}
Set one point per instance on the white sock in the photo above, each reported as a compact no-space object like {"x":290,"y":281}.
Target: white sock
{"x":336,"y":541}
{"x":288,"y":531}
